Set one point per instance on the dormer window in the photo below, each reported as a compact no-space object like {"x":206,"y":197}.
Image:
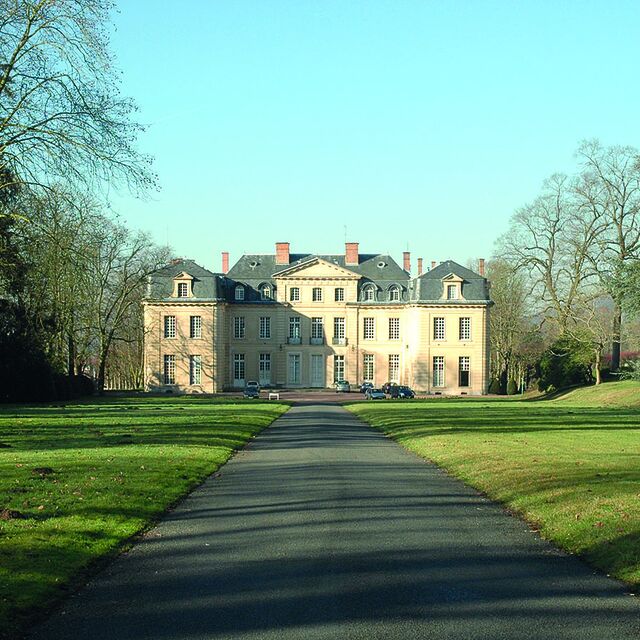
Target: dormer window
{"x":239,"y":292}
{"x":369,"y":293}
{"x":183,"y":290}
{"x":452,"y":292}
{"x":265,"y":292}
{"x":394,"y":294}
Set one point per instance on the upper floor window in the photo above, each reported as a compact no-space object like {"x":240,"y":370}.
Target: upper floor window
{"x":394,"y":294}
{"x":339,"y":294}
{"x":394,"y":328}
{"x":294,"y":327}
{"x":195,"y":327}
{"x":239,"y":292}
{"x":316,"y":294}
{"x":338,"y":328}
{"x":265,"y":327}
{"x":265,"y":292}
{"x":294,"y":294}
{"x":169,"y":326}
{"x":465,"y":328}
{"x":452,"y":292}
{"x":317,"y":328}
{"x":183,"y":290}
{"x":438,"y":329}
{"x":238,"y":327}
{"x":369,"y":293}
{"x":369,"y":328}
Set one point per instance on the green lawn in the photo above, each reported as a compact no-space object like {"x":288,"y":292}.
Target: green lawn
{"x":86,"y":477}
{"x":570,"y":466}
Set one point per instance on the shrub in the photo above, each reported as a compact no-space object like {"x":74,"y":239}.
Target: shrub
{"x":494,"y":387}
{"x":512,"y":388}
{"x":630,"y":370}
{"x":565,"y":363}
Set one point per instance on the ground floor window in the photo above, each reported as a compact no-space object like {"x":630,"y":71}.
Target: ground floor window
{"x":195,"y":369}
{"x":367,"y":367}
{"x":294,"y":368}
{"x":394,"y":367}
{"x":169,"y":369}
{"x":264,"y":369}
{"x":338,"y":368}
{"x":238,"y":368}
{"x":438,"y":371}
{"x":463,"y":371}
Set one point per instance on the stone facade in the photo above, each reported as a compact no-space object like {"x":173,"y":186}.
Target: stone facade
{"x":305,"y":320}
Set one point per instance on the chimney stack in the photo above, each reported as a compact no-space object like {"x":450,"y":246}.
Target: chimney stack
{"x":406,"y":260}
{"x":351,"y":256}
{"x":433,"y":264}
{"x":282,"y":253}
{"x":225,"y":262}
{"x":481,"y":267}
{"x":419,"y":266}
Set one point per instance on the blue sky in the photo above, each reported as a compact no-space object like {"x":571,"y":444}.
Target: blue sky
{"x":419,"y":125}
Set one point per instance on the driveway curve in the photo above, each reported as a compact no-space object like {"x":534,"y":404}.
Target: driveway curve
{"x":323,"y":528}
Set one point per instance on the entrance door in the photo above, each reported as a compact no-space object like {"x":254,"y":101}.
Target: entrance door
{"x":264,"y":369}
{"x":238,"y":370}
{"x":294,"y":368}
{"x":317,"y":370}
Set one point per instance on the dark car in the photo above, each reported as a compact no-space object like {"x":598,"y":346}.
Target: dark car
{"x":342,"y":386}
{"x":251,"y":391}
{"x":376,"y":394}
{"x":386,"y":387}
{"x":365,"y":386}
{"x":400,"y":391}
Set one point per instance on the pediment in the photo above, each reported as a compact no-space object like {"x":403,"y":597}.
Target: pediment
{"x":316,"y":269}
{"x":183,"y":275}
{"x":452,"y":277}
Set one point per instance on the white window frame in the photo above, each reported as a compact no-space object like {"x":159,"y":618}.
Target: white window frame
{"x":170,"y":326}
{"x":452,"y":292}
{"x":369,"y":293}
{"x":316,"y":294}
{"x":438,"y":371}
{"x":394,"y":367}
{"x":183,"y":290}
{"x":439,"y":328}
{"x":339,"y":328}
{"x":394,"y":293}
{"x":239,"y":293}
{"x":294,"y":294}
{"x":368,"y":328}
{"x":265,"y":292}
{"x":239,"y":364}
{"x":317,"y":327}
{"x":368,"y":367}
{"x":169,"y":369}
{"x":239,"y":327}
{"x":195,"y":326}
{"x":465,"y":328}
{"x":195,"y":369}
{"x":464,"y":365}
{"x":394,"y":328}
{"x":339,"y":294}
{"x":297,"y":369}
{"x":295,"y":330}
{"x":339,"y":363}
{"x":264,"y":328}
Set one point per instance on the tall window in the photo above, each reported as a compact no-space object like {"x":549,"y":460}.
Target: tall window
{"x":183,"y":290}
{"x":463,"y":371}
{"x":394,"y":294}
{"x":316,"y":294}
{"x":438,"y":371}
{"x":169,"y":369}
{"x":394,"y":328}
{"x":338,"y":328}
{"x":239,"y":292}
{"x":465,"y":328}
{"x":169,"y":326}
{"x":238,"y":367}
{"x":452,"y":292}
{"x":317,"y":328}
{"x":294,"y":294}
{"x":369,"y":293}
{"x":367,"y":367}
{"x":438,"y":328}
{"x":394,"y":367}
{"x":195,"y":369}
{"x":294,"y":327}
{"x":339,"y":294}
{"x":338,"y":368}
{"x":369,"y":328}
{"x":264,"y":329}
{"x":195,"y":327}
{"x":238,"y":327}
{"x":265,"y":292}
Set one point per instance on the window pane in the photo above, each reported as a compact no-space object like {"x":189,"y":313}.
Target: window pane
{"x":294,"y":294}
{"x":452,"y":291}
{"x":183,"y":290}
{"x":264,"y":330}
{"x":195,"y":369}
{"x":339,"y":294}
{"x":317,"y":329}
{"x":394,"y":328}
{"x":438,"y":328}
{"x":367,"y":367}
{"x":169,"y":369}
{"x":463,"y":371}
{"x":238,"y":327}
{"x":369,"y":328}
{"x":169,"y":326}
{"x":195,"y":327}
{"x":239,"y":292}
{"x":338,"y":368}
{"x":317,"y":294}
{"x":294,"y":327}
{"x":438,"y":371}
{"x":394,"y":367}
{"x":465,"y":328}
{"x":338,"y":327}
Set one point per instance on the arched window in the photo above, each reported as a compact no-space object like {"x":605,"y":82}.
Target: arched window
{"x":265,"y":291}
{"x":394,"y":293}
{"x":369,"y":293}
{"x":239,"y":292}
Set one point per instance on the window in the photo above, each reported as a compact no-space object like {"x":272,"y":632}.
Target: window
{"x":394,"y":328}
{"x":265,"y":292}
{"x":169,"y":326}
{"x":465,"y":328}
{"x":195,"y":327}
{"x":317,"y":328}
{"x":183,"y":290}
{"x":394,"y":294}
{"x":195,"y":369}
{"x":452,"y":292}
{"x":463,"y":371}
{"x":294,"y":327}
{"x":369,"y":328}
{"x":338,"y":329}
{"x":438,"y":329}
{"x":238,"y":369}
{"x":294,"y":294}
{"x":264,"y":329}
{"x":169,"y":369}
{"x":367,"y":367}
{"x":238,"y":327}
{"x":316,"y":294}
{"x":239,"y":292}
{"x":339,"y":294}
{"x":394,"y":367}
{"x":338,"y":368}
{"x":294,"y":368}
{"x":438,"y":371}
{"x":369,"y":293}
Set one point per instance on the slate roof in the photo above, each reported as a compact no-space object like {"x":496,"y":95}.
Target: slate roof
{"x":206,"y":284}
{"x":428,"y":286}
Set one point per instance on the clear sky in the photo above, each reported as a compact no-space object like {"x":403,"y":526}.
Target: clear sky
{"x":419,"y":125}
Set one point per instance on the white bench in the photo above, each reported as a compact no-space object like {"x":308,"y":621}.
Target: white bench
{"x":274,"y":395}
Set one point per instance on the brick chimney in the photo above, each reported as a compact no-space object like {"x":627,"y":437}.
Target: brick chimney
{"x":351,"y":256}
{"x":225,"y":262}
{"x":433,"y":264}
{"x":419,"y":266}
{"x":481,"y":267}
{"x":282,"y":253}
{"x":406,"y":261}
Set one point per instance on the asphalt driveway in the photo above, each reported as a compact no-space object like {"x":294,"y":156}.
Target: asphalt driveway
{"x":323,"y":528}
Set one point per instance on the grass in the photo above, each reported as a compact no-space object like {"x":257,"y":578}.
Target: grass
{"x":88,"y":476}
{"x":570,"y":466}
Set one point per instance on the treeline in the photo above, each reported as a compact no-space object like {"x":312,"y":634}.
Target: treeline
{"x":71,"y":274}
{"x":566,"y":277}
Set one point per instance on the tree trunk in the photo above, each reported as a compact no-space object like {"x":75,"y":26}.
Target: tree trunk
{"x":615,"y":345}
{"x":597,"y":366}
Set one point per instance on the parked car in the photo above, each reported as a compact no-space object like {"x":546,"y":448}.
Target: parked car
{"x":253,"y":383}
{"x":401,"y":391}
{"x":386,"y":387}
{"x":342,"y":386}
{"x":365,"y":386}
{"x":376,"y":394}
{"x":251,"y":391}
